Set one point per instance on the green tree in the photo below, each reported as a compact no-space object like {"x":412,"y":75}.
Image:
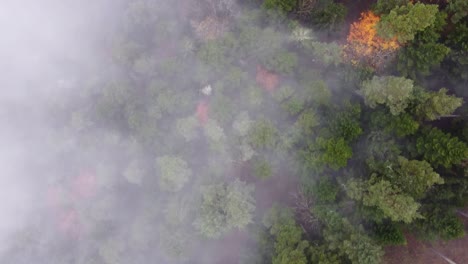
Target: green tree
{"x":282,"y":62}
{"x":380,"y":146}
{"x":385,"y":6}
{"x":405,"y":21}
{"x":242,"y":123}
{"x":328,"y":53}
{"x":435,"y":105}
{"x":213,"y":53}
{"x":335,"y":152}
{"x":224,"y":206}
{"x":325,"y":191}
{"x":440,"y":148}
{"x":388,"y":233}
{"x":174,"y":173}
{"x":402,"y":125}
{"x":317,"y":92}
{"x":329,"y":15}
{"x":439,"y":222}
{"x":307,"y":121}
{"x":293,"y":105}
{"x":381,"y":194}
{"x":459,"y":10}
{"x":420,"y":58}
{"x":414,"y":177}
{"x":289,"y":246}
{"x":394,"y":92}
{"x":214,"y":132}
{"x":263,"y":134}
{"x":345,"y":123}
{"x":322,"y":255}
{"x":262,"y":169}
{"x":424,"y":52}
{"x":347,"y":240}
{"x":280,"y":5}
{"x":187,"y":127}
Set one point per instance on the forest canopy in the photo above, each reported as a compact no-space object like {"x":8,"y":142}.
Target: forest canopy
{"x":250,"y":131}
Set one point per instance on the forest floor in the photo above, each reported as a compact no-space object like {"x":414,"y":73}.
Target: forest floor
{"x":417,"y":252}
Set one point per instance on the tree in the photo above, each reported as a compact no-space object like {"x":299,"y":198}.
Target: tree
{"x":420,"y":58}
{"x":324,"y":190}
{"x":307,"y":121}
{"x":242,"y":123}
{"x":385,"y":6}
{"x":424,"y":52}
{"x":394,"y":92}
{"x":457,"y":40}
{"x":262,"y":169}
{"x":224,"y":206}
{"x":317,"y":92}
{"x":364,"y":45}
{"x":263,"y":134}
{"x":293,"y":105}
{"x":345,"y":123}
{"x":329,"y":15}
{"x":214,"y":132}
{"x":440,"y":148}
{"x":335,"y":152}
{"x":414,"y":177}
{"x":280,"y":5}
{"x":281,"y":62}
{"x":186,"y":127}
{"x":459,"y":10}
{"x":381,"y":194}
{"x":289,"y":246}
{"x":174,"y":173}
{"x":402,"y":125}
{"x":405,"y":21}
{"x":329,"y":53}
{"x":380,"y":146}
{"x":322,"y":255}
{"x":348,"y":240}
{"x":213,"y":53}
{"x":439,"y":222}
{"x":437,"y":104}
{"x":388,"y":233}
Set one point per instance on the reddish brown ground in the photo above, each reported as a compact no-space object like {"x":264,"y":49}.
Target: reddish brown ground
{"x":417,"y":252}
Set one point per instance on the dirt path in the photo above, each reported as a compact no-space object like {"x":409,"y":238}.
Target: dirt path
{"x":417,"y":252}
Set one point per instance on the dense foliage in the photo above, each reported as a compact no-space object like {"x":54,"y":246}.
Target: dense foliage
{"x":216,"y":110}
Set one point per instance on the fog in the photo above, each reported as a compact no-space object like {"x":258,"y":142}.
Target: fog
{"x":44,"y":47}
{"x":129,"y":125}
{"x":65,"y":196}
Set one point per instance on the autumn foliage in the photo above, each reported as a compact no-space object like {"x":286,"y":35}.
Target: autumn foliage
{"x":364,"y":46}
{"x":202,"y":112}
{"x":266,"y":79}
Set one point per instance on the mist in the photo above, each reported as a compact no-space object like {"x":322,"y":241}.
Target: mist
{"x":188,"y":131}
{"x":45,"y":47}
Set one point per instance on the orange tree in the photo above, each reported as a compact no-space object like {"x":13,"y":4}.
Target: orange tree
{"x":364,"y":46}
